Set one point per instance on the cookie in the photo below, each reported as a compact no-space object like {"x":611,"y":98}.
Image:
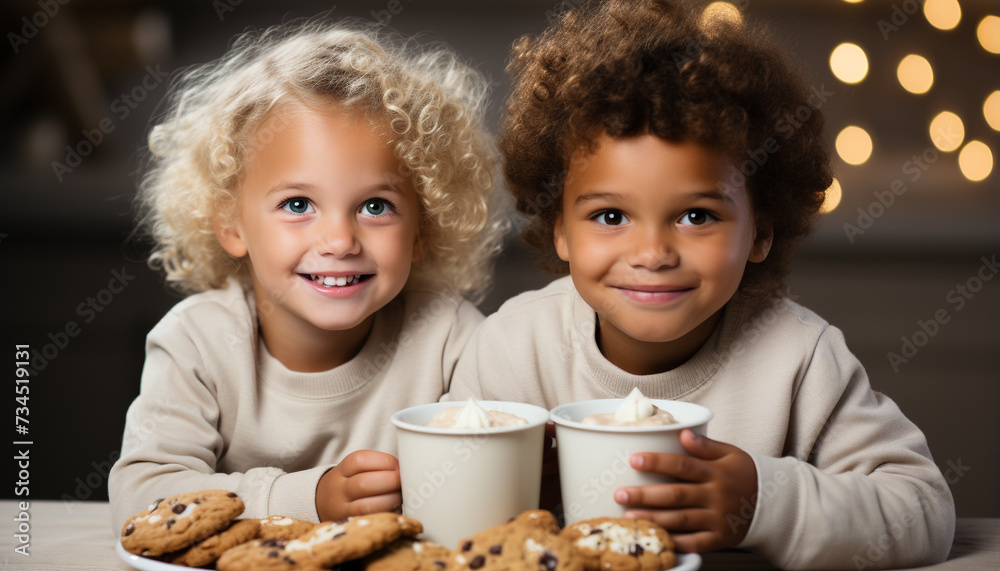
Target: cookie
{"x":266,"y":555}
{"x":404,"y":554}
{"x":209,"y":549}
{"x":530,"y":541}
{"x":541,"y":519}
{"x":283,"y":527}
{"x":333,"y":543}
{"x":619,"y":544}
{"x":177,"y":522}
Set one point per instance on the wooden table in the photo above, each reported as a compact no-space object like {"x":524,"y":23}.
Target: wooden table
{"x":77,"y":535}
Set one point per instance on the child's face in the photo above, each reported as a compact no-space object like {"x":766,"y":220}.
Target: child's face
{"x":655,"y":244}
{"x":321,"y":200}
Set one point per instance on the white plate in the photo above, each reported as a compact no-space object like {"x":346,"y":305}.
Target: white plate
{"x":685,"y":561}
{"x":142,"y":563}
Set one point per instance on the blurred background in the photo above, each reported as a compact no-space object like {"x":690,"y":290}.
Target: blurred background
{"x":903,"y":261}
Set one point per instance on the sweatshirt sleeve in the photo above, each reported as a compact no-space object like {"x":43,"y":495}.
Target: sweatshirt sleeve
{"x":866,"y":495}
{"x":484,"y":370}
{"x":461,"y":336}
{"x":172,"y":443}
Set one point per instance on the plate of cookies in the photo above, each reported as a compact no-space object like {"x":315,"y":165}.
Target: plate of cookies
{"x":203,"y":529}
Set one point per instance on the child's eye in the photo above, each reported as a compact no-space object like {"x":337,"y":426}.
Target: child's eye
{"x":697,"y":218}
{"x":377,"y":207}
{"x":297,"y":205}
{"x":610,"y":217}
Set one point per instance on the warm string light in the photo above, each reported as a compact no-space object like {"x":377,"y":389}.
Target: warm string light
{"x":943,"y":14}
{"x":915,"y":74}
{"x":854,"y":145}
{"x":991,"y":110}
{"x":831,"y":198}
{"x":988,"y":33}
{"x":720,"y":14}
{"x":976,"y":161}
{"x":947,"y":131}
{"x":849,"y":63}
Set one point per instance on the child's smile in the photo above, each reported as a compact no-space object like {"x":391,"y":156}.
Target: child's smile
{"x":328,"y":224}
{"x":655,"y":244}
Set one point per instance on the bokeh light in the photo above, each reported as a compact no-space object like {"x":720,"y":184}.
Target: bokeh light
{"x":718,"y":13}
{"x":849,"y":63}
{"x":947,"y":131}
{"x":988,"y":32}
{"x":854,"y":145}
{"x":915,"y":74}
{"x":976,"y":161}
{"x":853,"y":2}
{"x":832,"y":197}
{"x":991,"y":110}
{"x":943,"y":14}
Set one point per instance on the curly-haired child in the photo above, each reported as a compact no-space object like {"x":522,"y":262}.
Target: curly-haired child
{"x":652,"y":157}
{"x":323,"y":191}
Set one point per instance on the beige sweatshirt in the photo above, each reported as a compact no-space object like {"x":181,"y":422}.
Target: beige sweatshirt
{"x":216,"y":410}
{"x":844,"y":479}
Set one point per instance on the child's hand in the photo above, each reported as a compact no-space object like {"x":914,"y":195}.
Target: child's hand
{"x":717,"y":480}
{"x":365,"y":482}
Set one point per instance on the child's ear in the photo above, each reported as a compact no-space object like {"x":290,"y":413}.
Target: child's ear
{"x":230,"y":236}
{"x":418,"y":248}
{"x":762,"y":240}
{"x":559,"y":238}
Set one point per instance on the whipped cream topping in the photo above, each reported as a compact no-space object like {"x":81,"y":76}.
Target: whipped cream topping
{"x":636,"y":407}
{"x":473,"y":416}
{"x":635,"y":410}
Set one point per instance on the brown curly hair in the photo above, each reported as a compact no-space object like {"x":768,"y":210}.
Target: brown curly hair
{"x":651,"y":66}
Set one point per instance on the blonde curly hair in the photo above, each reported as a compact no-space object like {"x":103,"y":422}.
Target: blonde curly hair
{"x":430,"y":103}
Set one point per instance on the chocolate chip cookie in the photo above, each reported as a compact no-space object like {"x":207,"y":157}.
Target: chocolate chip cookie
{"x":176,"y":522}
{"x":528,"y":542}
{"x":208,"y":550}
{"x":619,"y":544}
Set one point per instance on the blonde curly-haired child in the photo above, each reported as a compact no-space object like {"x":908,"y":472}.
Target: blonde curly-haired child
{"x":323,"y":193}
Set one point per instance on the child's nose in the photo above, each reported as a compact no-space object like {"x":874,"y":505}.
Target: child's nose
{"x":652,"y":249}
{"x":339,"y":239}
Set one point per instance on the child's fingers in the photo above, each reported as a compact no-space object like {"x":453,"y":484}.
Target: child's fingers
{"x":704,"y":447}
{"x":661,"y":496}
{"x":695,"y":542}
{"x":676,"y":520}
{"x":375,"y":504}
{"x":367,"y":461}
{"x":371,"y":484}
{"x":676,"y":465}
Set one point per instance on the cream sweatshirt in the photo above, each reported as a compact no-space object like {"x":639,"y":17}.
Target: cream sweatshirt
{"x":844,"y":479}
{"x":216,"y":410}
